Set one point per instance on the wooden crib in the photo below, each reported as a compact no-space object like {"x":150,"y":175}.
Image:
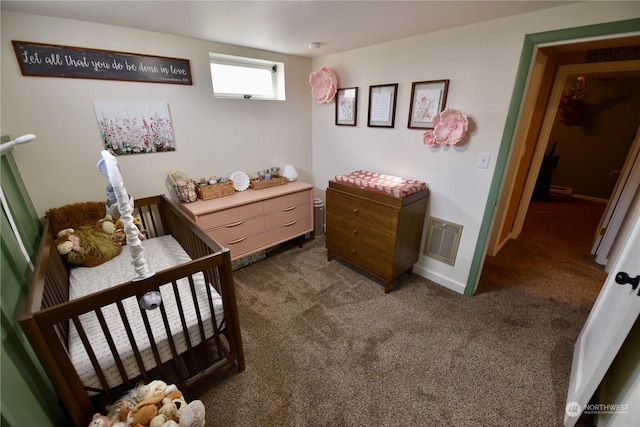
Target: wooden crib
{"x":50,"y":317}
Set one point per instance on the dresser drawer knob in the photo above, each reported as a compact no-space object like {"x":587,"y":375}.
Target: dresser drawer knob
{"x":353,"y":251}
{"x":355,"y":232}
{"x":355,"y":211}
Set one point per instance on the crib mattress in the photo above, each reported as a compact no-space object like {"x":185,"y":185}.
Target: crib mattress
{"x":386,"y":184}
{"x":160,"y":253}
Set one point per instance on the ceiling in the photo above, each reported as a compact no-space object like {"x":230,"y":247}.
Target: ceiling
{"x":286,"y":26}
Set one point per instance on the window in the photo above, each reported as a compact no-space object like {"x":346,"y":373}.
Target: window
{"x":248,"y":78}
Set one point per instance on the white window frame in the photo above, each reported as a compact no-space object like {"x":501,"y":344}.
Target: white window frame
{"x":277,"y":77}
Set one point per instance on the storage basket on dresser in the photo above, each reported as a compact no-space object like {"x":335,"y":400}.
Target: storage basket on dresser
{"x":376,"y":232}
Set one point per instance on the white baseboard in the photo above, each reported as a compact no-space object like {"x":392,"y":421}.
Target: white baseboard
{"x":440,"y":280}
{"x":558,"y":189}
{"x":591,"y":198}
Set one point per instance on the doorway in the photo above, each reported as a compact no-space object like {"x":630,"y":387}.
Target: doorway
{"x":520,"y":154}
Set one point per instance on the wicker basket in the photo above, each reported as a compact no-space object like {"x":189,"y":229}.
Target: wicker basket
{"x":259,"y":184}
{"x":184,"y":186}
{"x":206,"y":192}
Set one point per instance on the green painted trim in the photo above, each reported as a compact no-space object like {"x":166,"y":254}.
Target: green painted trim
{"x":530,"y":42}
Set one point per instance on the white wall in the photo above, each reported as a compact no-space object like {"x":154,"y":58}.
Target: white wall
{"x":213,"y":136}
{"x":481,"y":63}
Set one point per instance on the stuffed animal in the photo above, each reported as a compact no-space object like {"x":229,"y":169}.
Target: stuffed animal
{"x":106,"y":225}
{"x":100,"y":420}
{"x":154,"y":391}
{"x":153,"y":405}
{"x":119,"y":236}
{"x":142,"y":415}
{"x":119,"y":410}
{"x":86,"y":246}
{"x":193,"y":415}
{"x":66,"y":241}
{"x":148,"y":396}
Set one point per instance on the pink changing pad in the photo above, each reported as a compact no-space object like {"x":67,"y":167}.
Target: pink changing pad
{"x":386,"y":184}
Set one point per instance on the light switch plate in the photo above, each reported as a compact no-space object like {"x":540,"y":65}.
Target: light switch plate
{"x":483,"y":160}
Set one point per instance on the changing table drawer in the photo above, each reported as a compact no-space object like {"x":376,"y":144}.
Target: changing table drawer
{"x":364,"y":211}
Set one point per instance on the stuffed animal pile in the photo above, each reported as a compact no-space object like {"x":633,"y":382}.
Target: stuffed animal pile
{"x":93,"y":244}
{"x":152,"y":405}
{"x":89,"y":245}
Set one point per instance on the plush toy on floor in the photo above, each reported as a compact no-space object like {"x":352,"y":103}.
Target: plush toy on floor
{"x":193,"y":415}
{"x":152,"y":405}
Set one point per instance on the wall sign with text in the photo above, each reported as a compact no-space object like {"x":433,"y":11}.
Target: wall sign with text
{"x":48,"y":60}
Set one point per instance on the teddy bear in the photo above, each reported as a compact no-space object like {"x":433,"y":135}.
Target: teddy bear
{"x":100,"y":420}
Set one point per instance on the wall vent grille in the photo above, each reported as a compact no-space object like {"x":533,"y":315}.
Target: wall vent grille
{"x":442,"y":241}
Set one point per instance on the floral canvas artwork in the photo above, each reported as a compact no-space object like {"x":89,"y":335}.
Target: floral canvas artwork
{"x":134,"y":127}
{"x":427,"y":105}
{"x":347,"y":106}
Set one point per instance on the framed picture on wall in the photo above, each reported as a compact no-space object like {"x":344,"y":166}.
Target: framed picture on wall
{"x":427,"y":99}
{"x":382,"y":105}
{"x":347,"y":106}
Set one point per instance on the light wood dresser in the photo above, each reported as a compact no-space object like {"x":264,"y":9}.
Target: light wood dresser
{"x":375,"y":232}
{"x":252,"y":220}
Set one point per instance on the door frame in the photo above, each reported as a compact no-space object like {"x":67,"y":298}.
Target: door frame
{"x":530,"y":46}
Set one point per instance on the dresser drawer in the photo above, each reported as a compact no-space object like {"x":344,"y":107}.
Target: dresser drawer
{"x":286,"y":215}
{"x":238,"y":229}
{"x":361,"y":210}
{"x":357,"y":232}
{"x":242,"y":245}
{"x":288,"y":231}
{"x":287,"y":201}
{"x":377,"y":262}
{"x":229,"y":216}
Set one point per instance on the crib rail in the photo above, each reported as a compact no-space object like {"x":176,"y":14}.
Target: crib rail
{"x":48,"y":315}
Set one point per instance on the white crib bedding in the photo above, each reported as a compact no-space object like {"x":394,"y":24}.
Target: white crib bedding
{"x":160,"y":253}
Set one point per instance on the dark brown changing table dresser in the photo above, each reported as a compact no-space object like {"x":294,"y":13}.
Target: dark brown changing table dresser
{"x":373,"y":228}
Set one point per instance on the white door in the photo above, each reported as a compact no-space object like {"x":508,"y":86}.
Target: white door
{"x":607,"y":326}
{"x":619,"y":203}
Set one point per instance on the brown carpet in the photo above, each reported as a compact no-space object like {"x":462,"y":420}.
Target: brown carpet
{"x":326,"y":347}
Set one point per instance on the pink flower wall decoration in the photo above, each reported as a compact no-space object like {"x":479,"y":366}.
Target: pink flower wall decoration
{"x":324,"y":84}
{"x":449,"y":127}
